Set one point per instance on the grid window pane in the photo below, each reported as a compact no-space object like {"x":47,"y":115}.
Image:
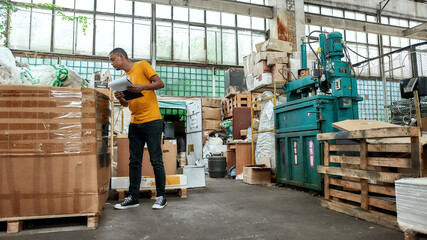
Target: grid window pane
{"x":141,"y":39}
{"x":180,"y":13}
{"x":228,"y":19}
{"x":20,"y":35}
{"x":256,"y":38}
{"x":243,"y":21}
{"x":245,"y":47}
{"x":213,"y":17}
{"x":124,"y":7}
{"x":360,"y":16}
{"x":349,"y":14}
{"x":214,"y":45}
{"x":413,"y":23}
{"x":41,"y":30}
{"x":371,"y":18}
{"x":384,"y":20}
{"x":258,"y":23}
{"x":394,"y":21}
{"x":386,"y":40}
{"x":260,"y":2}
{"x":404,"y":42}
{"x":142,"y":9}
{"x":104,"y":35}
{"x":374,"y":66}
{"x":63,"y":28}
{"x":314,"y":9}
{"x":337,"y":13}
{"x":361,"y":37}
{"x":372,"y":38}
{"x":123,"y":34}
{"x":197,"y":44}
{"x":180,"y":42}
{"x":65,"y":3}
{"x":197,"y":15}
{"x":326,"y":11}
{"x":85,"y":40}
{"x":105,"y":6}
{"x":327,"y":29}
{"x":164,"y":36}
{"x":85,"y":5}
{"x":229,"y":47}
{"x":395,"y":41}
{"x":350,"y":36}
{"x":163,"y":11}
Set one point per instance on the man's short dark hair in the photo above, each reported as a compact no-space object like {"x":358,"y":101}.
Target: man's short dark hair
{"x":119,"y":51}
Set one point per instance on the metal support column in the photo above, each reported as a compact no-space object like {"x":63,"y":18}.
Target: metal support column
{"x":414,"y":61}
{"x":153,"y":36}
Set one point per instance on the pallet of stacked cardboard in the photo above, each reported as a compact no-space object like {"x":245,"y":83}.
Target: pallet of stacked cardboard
{"x":268,"y":65}
{"x":55,"y":154}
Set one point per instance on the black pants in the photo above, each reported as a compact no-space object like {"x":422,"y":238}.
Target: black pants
{"x":139,"y":134}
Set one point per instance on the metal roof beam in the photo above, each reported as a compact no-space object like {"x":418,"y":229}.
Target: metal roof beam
{"x":347,"y":24}
{"x":239,"y":8}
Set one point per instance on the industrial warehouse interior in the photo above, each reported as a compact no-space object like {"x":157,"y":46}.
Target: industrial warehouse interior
{"x":220,"y":119}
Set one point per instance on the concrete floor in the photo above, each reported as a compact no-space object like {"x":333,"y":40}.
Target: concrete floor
{"x":228,"y":209}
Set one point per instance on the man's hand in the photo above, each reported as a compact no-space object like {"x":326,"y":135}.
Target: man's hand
{"x":135,"y":88}
{"x":120,"y":96}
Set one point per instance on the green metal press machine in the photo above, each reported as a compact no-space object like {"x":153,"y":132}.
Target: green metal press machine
{"x":314,"y":102}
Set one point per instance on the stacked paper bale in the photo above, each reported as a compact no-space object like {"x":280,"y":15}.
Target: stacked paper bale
{"x":268,"y":64}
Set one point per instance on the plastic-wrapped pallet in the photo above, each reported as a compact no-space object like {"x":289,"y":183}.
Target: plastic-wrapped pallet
{"x":265,"y":146}
{"x":411,"y":195}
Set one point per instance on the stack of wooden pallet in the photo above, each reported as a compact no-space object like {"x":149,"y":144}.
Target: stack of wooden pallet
{"x":361,"y":166}
{"x":235,"y":100}
{"x":239,"y":100}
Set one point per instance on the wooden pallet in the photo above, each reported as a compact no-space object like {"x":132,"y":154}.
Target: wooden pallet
{"x":359,"y":177}
{"x":412,"y":235}
{"x":16,"y":224}
{"x":235,"y":100}
{"x":181,"y":191}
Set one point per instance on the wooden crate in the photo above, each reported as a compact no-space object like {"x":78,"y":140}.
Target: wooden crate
{"x":235,"y":100}
{"x":359,"y":177}
{"x":256,"y":106}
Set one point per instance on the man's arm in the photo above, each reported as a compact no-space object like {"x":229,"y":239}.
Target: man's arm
{"x":156,"y":83}
{"x":120,"y":96}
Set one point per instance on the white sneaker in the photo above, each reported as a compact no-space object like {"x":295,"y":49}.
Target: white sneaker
{"x":160,"y":203}
{"x":129,"y":202}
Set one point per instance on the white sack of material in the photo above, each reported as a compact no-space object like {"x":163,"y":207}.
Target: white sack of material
{"x":265,"y":146}
{"x":8,"y":71}
{"x":56,"y":76}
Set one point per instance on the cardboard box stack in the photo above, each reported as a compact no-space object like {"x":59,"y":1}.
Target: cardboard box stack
{"x":54,"y":150}
{"x":169,"y":153}
{"x":268,"y":64}
{"x":211,"y":115}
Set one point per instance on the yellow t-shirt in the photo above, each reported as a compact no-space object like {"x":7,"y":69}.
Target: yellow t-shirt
{"x":146,"y":108}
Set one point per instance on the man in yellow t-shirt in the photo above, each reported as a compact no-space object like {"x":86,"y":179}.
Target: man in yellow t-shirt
{"x":146,"y":126}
